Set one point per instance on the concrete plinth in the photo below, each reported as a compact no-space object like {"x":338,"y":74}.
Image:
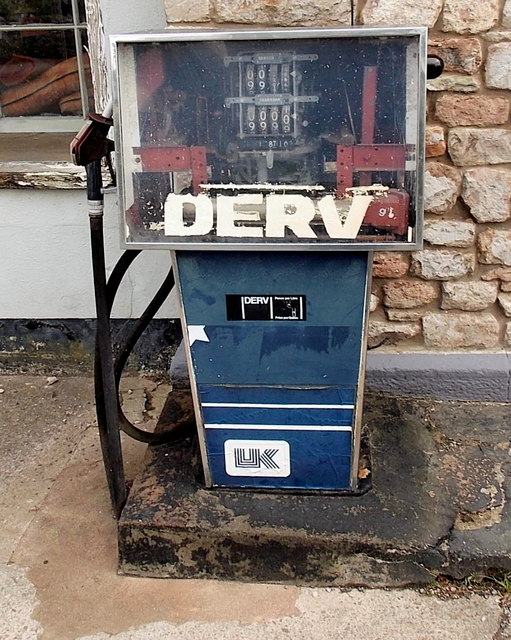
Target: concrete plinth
{"x":439,"y":472}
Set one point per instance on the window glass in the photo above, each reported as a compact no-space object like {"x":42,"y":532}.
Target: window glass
{"x":26,"y":12}
{"x":39,"y":75}
{"x":44,"y":71}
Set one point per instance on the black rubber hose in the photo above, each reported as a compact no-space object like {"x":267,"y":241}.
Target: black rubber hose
{"x":104,"y":379}
{"x":182,"y":430}
{"x":114,"y":281}
{"x":94,"y":181}
{"x":118,"y":273}
{"x":142,"y":323}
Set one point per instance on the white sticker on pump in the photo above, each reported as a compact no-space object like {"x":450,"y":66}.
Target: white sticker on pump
{"x":257,"y":458}
{"x":197,"y":332}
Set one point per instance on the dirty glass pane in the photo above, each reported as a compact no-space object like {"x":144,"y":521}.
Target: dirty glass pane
{"x":29,"y":12}
{"x":39,"y":74}
{"x":283,"y":141}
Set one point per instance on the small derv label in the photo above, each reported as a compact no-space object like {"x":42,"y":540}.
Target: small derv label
{"x":266,"y":307}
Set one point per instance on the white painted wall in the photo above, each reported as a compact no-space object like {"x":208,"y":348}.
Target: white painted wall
{"x":130,"y":16}
{"x":45,"y":266}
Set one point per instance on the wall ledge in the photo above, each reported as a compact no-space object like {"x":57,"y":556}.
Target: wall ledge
{"x":473,"y":376}
{"x":41,"y":175}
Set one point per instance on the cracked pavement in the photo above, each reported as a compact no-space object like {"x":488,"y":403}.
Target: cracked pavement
{"x":58,"y":556}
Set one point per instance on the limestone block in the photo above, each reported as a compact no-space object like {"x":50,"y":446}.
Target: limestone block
{"x":487,"y":193}
{"x":450,"y":233}
{"x":498,"y":66}
{"x":505,"y":286}
{"x":505,"y":303}
{"x":442,"y":186}
{"x":407,"y":294}
{"x":405,"y":315}
{"x":458,"y":54}
{"x":284,"y":12}
{"x":435,"y":141}
{"x":497,"y":36}
{"x":470,"y":146}
{"x":467,"y":16}
{"x":401,"y":12}
{"x":383,"y":332}
{"x":458,"y":330}
{"x":454,"y":82}
{"x":507,"y":335}
{"x":373,"y":302}
{"x":187,"y":11}
{"x":468,"y":296}
{"x":500,"y":273}
{"x":441,"y":264}
{"x":495,"y":247}
{"x":506,"y":14}
{"x":480,"y":111}
{"x":390,"y":264}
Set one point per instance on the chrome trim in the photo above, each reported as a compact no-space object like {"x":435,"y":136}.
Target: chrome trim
{"x":119,"y":164}
{"x":268,"y":34}
{"x":359,"y":402}
{"x":377,"y":246}
{"x":421,"y":143}
{"x":193,"y":380}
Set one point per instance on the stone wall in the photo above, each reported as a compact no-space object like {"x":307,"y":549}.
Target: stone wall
{"x":456,"y":293}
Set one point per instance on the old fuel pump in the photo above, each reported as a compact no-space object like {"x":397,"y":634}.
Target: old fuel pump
{"x":272,"y":163}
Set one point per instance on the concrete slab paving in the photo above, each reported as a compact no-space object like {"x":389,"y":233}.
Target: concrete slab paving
{"x":18,"y":600}
{"x":372,"y":615}
{"x":58,"y":571}
{"x":42,"y":425}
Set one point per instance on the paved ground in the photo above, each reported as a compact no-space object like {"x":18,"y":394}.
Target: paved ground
{"x":58,"y":562}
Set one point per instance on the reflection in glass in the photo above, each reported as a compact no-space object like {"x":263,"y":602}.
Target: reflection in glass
{"x":28,"y":12}
{"x":39,"y":75}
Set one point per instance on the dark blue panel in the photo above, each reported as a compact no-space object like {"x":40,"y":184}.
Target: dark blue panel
{"x":319,"y":459}
{"x":254,"y":415}
{"x":273,"y":355}
{"x":333,"y":283}
{"x":277,"y":395}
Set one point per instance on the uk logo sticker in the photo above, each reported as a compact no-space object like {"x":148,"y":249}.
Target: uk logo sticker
{"x":257,"y":458}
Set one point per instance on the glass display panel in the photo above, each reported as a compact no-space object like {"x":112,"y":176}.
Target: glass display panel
{"x":270,"y":141}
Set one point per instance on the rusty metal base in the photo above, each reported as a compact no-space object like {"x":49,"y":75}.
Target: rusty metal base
{"x":437,"y":505}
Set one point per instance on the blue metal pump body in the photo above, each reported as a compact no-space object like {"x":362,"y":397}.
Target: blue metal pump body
{"x":276,"y":347}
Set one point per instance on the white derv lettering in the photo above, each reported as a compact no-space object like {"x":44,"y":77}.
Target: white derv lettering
{"x":256,"y":299}
{"x":334,"y":226}
{"x":176,"y":206}
{"x":189,"y":215}
{"x":227,"y":214}
{"x":291,"y":211}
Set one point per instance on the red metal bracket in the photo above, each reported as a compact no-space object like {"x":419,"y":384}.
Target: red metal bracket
{"x":367,"y":158}
{"x":176,"y":159}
